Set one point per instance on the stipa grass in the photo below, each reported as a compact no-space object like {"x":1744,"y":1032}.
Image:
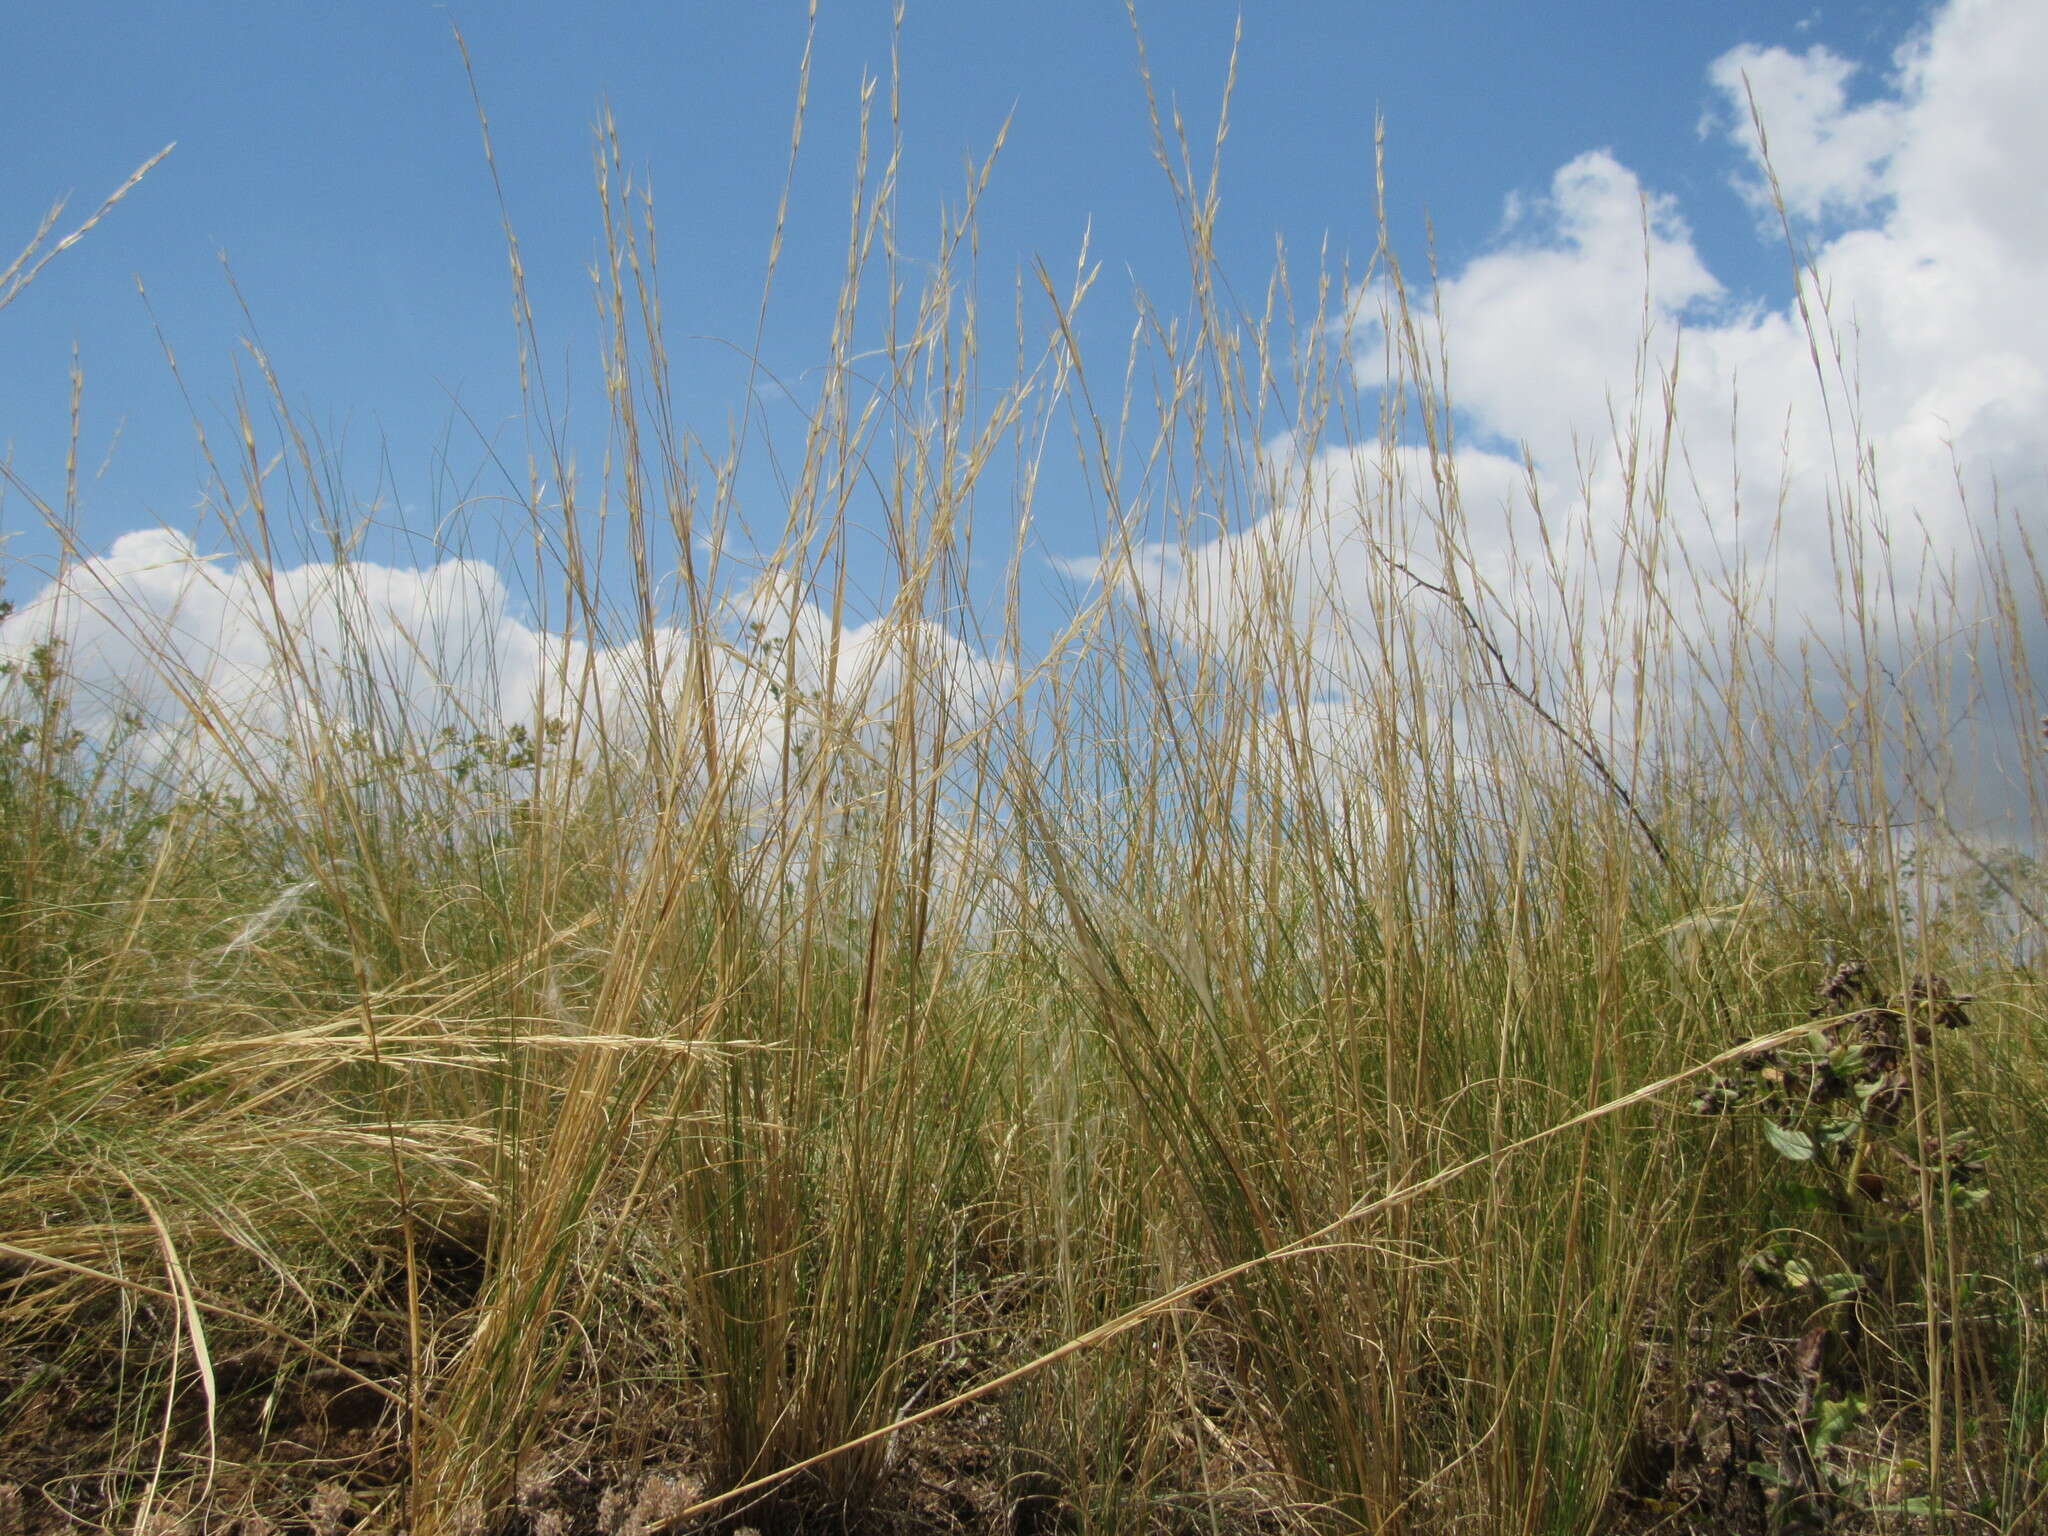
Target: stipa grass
{"x":1225,"y":1069}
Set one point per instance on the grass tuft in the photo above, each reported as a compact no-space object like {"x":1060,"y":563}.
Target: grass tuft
{"x":1239,"y":1061}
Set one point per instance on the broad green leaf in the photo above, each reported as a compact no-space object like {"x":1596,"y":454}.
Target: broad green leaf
{"x":1796,"y":1145}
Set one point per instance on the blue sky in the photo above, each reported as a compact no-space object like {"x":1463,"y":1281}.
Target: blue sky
{"x":1587,"y":170}
{"x":330,"y":155}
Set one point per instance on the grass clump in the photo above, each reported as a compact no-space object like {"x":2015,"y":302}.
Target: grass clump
{"x":1232,"y":1065}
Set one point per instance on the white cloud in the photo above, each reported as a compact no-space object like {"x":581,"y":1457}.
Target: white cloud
{"x":1573,"y":277}
{"x":1666,"y":422}
{"x":152,"y":632}
{"x":234,"y":673}
{"x":1829,"y":157}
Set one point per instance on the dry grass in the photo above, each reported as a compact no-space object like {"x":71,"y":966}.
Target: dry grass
{"x":1219,"y":1070}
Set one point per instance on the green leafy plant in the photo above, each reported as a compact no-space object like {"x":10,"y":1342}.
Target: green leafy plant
{"x":1841,"y":1102}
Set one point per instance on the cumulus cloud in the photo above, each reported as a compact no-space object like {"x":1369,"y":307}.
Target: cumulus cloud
{"x":155,"y":640}
{"x":1934,"y":301}
{"x":226,"y":671}
{"x":1829,"y":157}
{"x":1617,"y":407}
